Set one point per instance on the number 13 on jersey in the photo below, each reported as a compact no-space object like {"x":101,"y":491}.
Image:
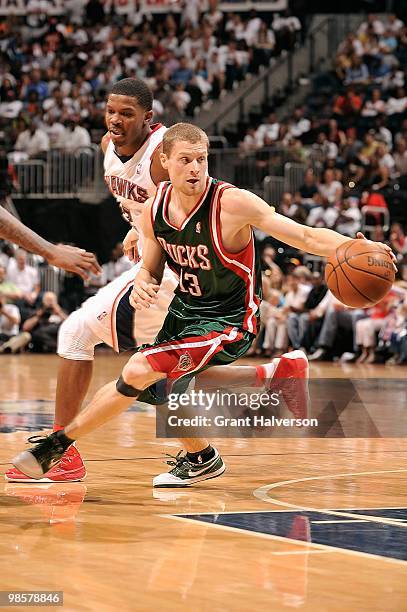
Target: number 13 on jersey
{"x":188,"y":283}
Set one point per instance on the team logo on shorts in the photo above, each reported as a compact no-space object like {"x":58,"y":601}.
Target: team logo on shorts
{"x":185,"y":363}
{"x":198,"y":227}
{"x":139,"y":168}
{"x":102,"y":316}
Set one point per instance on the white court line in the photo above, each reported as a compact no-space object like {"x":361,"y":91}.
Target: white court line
{"x":323,"y":510}
{"x":257,"y":534}
{"x":313,"y":546}
{"x":262,"y":494}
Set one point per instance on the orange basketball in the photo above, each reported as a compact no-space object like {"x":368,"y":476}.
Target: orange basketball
{"x":360,"y":273}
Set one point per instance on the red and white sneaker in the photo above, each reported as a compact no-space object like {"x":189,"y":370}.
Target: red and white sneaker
{"x":70,"y":469}
{"x":292,"y":372}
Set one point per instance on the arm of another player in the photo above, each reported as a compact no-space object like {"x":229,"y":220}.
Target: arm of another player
{"x":148,"y":279}
{"x":317,"y":241}
{"x":63,"y":256}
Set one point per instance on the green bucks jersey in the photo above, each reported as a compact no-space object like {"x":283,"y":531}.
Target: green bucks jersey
{"x":213,"y":283}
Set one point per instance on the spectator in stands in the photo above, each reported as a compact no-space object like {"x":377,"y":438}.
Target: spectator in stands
{"x":298,"y":322}
{"x":371,"y":24}
{"x":308,"y":191}
{"x":117,"y":264}
{"x":26,"y":279}
{"x":253,"y":27}
{"x":300,"y":124}
{"x":376,"y":175}
{"x":348,"y":106}
{"x":8,"y":290}
{"x":250,"y":143}
{"x":288,"y":206}
{"x":214,"y":17}
{"x":37,"y":85}
{"x":74,"y":136}
{"x":369,"y":148}
{"x":338,"y":319}
{"x":367,"y":328}
{"x":44,"y":324}
{"x":273,"y":323}
{"x":397,"y":104}
{"x":54,"y":130}
{"x":10,"y":107}
{"x":271,"y":270}
{"x":330,"y":189}
{"x":357,"y":72}
{"x":95,"y":12}
{"x":383,"y":133}
{"x":349,"y":218}
{"x":33,"y":142}
{"x":385,"y":158}
{"x":287,"y":29}
{"x":400,"y":157}
{"x":263,"y":46}
{"x":268,"y":131}
{"x":375,"y":105}
{"x":294,"y":301}
{"x":398,"y":239}
{"x":10,"y":338}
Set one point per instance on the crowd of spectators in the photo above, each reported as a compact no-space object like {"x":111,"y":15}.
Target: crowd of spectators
{"x":350,"y":134}
{"x":55,"y":71}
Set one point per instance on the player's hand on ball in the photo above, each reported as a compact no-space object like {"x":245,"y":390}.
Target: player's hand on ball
{"x":385,"y":246}
{"x":144,"y":294}
{"x":130,"y":245}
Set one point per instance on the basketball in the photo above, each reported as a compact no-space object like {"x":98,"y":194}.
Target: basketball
{"x":360,"y":273}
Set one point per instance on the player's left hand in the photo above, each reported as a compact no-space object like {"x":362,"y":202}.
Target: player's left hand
{"x":74,"y":260}
{"x":385,"y":246}
{"x":143,"y":294}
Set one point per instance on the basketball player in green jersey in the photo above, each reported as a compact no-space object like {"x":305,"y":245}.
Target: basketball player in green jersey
{"x":203,"y":229}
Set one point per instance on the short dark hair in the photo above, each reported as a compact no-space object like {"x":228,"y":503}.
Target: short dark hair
{"x":135,"y":88}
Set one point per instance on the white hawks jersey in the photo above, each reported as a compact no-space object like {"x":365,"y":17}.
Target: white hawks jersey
{"x":130,"y":182}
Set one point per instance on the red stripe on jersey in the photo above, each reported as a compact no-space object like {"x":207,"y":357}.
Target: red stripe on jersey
{"x":242,"y":263}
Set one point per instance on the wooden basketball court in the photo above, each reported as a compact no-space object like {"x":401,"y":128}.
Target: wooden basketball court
{"x":300,"y":524}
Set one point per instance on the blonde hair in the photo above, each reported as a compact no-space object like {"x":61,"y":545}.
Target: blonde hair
{"x":183,"y":131}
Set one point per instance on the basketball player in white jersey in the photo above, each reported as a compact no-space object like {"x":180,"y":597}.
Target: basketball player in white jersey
{"x":132,"y":171}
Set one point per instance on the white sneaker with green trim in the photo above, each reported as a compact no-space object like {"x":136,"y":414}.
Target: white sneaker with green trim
{"x":184,"y":473}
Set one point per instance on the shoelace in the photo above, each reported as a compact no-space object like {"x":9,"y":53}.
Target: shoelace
{"x":177,"y":460}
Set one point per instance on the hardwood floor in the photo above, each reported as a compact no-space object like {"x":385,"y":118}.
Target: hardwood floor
{"x":306,"y":524}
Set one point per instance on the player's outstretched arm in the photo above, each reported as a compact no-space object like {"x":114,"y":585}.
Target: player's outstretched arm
{"x":69,"y":258}
{"x":148,"y":279}
{"x":317,"y":241}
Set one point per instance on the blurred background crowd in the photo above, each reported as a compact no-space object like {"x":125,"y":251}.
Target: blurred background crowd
{"x":55,"y":71}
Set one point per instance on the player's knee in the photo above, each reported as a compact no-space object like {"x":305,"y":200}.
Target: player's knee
{"x":136,"y":371}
